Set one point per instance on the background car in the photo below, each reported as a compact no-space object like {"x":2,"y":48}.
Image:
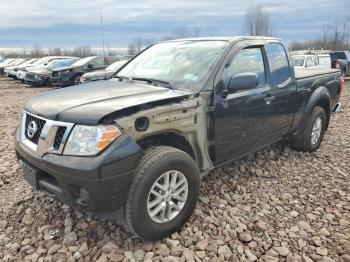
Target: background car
{"x":41,"y":76}
{"x":40,"y":63}
{"x":311,"y":59}
{"x":13,"y":62}
{"x":341,"y":60}
{"x":103,"y":74}
{"x":11,"y":71}
{"x":71,"y":75}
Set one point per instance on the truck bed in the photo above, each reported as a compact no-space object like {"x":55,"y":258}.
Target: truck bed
{"x":301,"y":73}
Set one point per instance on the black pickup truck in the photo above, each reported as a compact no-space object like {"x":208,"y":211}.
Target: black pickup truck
{"x":341,"y":60}
{"x":138,"y":144}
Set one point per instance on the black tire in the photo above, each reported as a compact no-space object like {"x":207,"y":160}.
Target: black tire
{"x":303,"y":141}
{"x":157,"y":161}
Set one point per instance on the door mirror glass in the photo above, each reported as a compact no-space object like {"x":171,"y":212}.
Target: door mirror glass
{"x":243,"y":81}
{"x":90,"y":65}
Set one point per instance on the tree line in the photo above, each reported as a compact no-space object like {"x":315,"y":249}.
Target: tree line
{"x":332,"y":37}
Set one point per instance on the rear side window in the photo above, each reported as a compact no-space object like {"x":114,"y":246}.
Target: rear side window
{"x":99,"y":61}
{"x":249,"y":60}
{"x":279,"y":67}
{"x":340,"y":55}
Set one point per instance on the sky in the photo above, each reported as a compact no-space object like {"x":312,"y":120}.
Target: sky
{"x":70,"y":23}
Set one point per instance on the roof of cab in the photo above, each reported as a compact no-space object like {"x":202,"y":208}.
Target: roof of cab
{"x":229,"y":39}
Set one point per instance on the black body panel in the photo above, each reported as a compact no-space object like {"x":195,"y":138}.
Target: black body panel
{"x":102,"y":182}
{"x":89,"y":103}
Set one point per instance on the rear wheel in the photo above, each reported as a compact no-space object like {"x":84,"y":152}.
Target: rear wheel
{"x":310,"y":139}
{"x":163,"y":193}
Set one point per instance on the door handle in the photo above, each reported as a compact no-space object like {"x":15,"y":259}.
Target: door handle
{"x":269,"y":98}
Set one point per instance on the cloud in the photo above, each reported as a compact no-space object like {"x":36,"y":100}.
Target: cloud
{"x":67,"y":22}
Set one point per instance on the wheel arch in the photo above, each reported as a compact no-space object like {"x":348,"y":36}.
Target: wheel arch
{"x":320,"y":97}
{"x":171,"y":139}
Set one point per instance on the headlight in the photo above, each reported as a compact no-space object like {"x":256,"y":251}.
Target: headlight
{"x":89,"y":140}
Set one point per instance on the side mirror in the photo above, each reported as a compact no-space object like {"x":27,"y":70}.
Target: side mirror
{"x":90,"y":66}
{"x":243,"y":81}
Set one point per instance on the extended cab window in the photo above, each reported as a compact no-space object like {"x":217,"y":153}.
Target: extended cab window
{"x":249,"y":60}
{"x":279,"y":67}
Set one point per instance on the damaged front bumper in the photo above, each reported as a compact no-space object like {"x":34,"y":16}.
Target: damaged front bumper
{"x":97,"y":184}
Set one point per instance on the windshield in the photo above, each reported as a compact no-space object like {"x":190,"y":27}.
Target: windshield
{"x":60,"y":63}
{"x":116,"y":65}
{"x":298,"y":60}
{"x":83,"y":61}
{"x":184,"y":64}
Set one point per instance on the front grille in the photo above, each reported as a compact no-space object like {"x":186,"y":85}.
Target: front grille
{"x":44,"y":135}
{"x":33,"y":135}
{"x":59,"y":136}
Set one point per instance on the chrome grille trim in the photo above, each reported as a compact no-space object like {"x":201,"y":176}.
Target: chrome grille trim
{"x":47,"y":136}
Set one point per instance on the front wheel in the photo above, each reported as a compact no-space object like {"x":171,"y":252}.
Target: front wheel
{"x":163,"y":193}
{"x":310,"y":139}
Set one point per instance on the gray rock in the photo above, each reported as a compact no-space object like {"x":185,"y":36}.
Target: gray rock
{"x":139,"y":254}
{"x":83,"y":248}
{"x":163,"y":250}
{"x":110,"y":247}
{"x":283,"y":251}
{"x":70,"y":239}
{"x":250,"y":255}
{"x":225,"y":251}
{"x":306,"y":226}
{"x":27,"y":219}
{"x":54,"y":249}
{"x":245,"y":237}
{"x":202,"y":245}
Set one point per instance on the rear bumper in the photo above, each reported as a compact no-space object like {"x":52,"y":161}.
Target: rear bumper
{"x":92,"y":184}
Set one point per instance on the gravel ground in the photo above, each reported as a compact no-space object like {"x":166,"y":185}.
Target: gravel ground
{"x":278,"y":205}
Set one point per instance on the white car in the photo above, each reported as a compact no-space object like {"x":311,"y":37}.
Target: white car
{"x":311,"y":60}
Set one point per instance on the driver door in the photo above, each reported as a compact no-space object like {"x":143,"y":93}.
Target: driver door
{"x":243,"y":119}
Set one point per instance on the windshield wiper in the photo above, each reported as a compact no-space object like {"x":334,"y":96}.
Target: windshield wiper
{"x":156,"y":82}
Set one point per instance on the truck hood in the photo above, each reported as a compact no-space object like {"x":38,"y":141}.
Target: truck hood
{"x":90,"y":103}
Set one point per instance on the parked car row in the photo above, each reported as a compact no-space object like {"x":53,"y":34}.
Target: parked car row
{"x":61,"y":71}
{"x":322,"y":59}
